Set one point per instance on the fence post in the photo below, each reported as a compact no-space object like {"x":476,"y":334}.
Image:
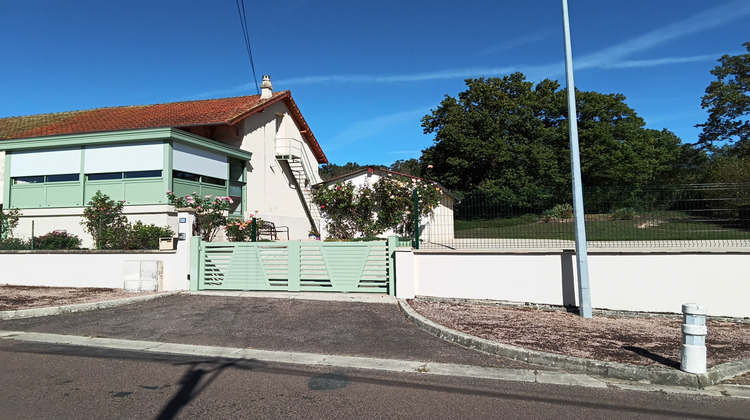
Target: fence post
{"x":293,"y":248}
{"x":195,"y":263}
{"x":32,"y":235}
{"x":254,"y":230}
{"x":391,"y":249}
{"x":415,"y":244}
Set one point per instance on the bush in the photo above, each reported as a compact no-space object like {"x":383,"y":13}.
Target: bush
{"x":368,"y":211}
{"x":559,"y":212}
{"x":141,"y":236}
{"x":58,"y":239}
{"x":103,"y":219}
{"x":13,"y":244}
{"x":625,"y":213}
{"x":241,"y":230}
{"x":8,"y":222}
{"x":210,"y":212}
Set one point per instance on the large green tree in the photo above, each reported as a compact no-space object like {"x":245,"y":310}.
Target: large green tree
{"x":727,"y":100}
{"x":509,"y":138}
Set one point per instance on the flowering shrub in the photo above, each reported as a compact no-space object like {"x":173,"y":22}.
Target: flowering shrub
{"x":241,"y":230}
{"x":104,"y":221}
{"x":350,"y":210}
{"x":395,"y":198}
{"x":370,"y":211}
{"x":8,"y":222}
{"x":210,"y":212}
{"x":58,"y":239}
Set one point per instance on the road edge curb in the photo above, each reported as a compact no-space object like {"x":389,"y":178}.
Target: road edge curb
{"x":660,"y":376}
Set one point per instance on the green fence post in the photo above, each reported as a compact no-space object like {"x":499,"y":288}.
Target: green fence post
{"x":391,"y":248}
{"x":416,"y":220}
{"x":254,"y":230}
{"x":195,"y":264}
{"x":295,"y":262}
{"x":32,"y":235}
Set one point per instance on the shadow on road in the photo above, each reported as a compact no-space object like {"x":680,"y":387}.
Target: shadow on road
{"x":191,"y":386}
{"x":653,"y":356}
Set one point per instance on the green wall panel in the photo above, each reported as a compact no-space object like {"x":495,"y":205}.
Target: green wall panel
{"x":112,"y":188}
{"x":26,"y":196}
{"x":64,"y":195}
{"x":145,"y":192}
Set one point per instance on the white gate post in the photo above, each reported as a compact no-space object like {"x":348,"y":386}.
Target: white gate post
{"x":693,"y":338}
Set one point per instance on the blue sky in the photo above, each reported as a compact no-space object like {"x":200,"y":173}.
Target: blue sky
{"x":363,"y":73}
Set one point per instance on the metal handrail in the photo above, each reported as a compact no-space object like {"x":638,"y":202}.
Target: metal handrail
{"x":287,"y":146}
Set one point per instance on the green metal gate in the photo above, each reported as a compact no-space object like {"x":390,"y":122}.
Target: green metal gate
{"x":303,"y":266}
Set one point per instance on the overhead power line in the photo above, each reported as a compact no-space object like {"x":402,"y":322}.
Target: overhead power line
{"x":245,"y":33}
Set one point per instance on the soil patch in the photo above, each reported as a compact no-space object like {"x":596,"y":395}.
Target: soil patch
{"x":644,"y":341}
{"x":28,"y":297}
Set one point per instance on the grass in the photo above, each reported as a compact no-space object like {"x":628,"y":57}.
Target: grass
{"x":604,"y":227}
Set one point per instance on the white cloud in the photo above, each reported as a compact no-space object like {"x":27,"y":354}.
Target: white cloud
{"x":608,"y":58}
{"x":702,"y":21}
{"x":372,"y":127}
{"x":659,"y":61}
{"x":513,"y":43}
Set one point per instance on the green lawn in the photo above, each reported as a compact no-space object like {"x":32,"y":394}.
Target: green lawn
{"x":601,"y":227}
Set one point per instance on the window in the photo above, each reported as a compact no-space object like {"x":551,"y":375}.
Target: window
{"x":28,"y":180}
{"x":127,"y":175}
{"x":143,"y":174}
{"x":236,"y":185}
{"x":104,"y":177}
{"x":63,"y":178}
{"x":212,"y":180}
{"x":186,"y":176}
{"x":42,"y":179}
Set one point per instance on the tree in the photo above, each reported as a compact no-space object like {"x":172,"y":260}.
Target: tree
{"x":728,"y":102}
{"x":508,"y":138}
{"x":408,"y":167}
{"x":210,"y":212}
{"x":331,"y":170}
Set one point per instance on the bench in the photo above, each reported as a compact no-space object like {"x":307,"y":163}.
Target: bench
{"x":270,"y":229}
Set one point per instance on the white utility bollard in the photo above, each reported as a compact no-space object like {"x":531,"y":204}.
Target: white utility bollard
{"x":693,"y":338}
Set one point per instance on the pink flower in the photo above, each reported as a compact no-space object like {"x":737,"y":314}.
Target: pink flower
{"x":230,"y":200}
{"x":123,"y":201}
{"x":169,"y":192}
{"x":208,"y":196}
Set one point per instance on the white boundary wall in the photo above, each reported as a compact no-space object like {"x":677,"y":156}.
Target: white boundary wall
{"x":642,"y":281}
{"x":97,"y":268}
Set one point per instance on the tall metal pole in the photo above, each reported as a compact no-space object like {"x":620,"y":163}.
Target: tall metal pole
{"x":582,"y":261}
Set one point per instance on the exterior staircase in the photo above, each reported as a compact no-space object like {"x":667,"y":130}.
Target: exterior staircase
{"x":291,"y":151}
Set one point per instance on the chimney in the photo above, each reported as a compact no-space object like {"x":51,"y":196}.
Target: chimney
{"x":266,"y":88}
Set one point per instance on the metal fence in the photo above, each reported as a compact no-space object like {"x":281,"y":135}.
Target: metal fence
{"x":696,"y":216}
{"x":35,"y":225}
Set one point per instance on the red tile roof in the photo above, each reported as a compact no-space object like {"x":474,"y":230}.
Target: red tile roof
{"x":226,"y":111}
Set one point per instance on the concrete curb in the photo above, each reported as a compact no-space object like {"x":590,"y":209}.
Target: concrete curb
{"x":654,"y":375}
{"x":79,"y":307}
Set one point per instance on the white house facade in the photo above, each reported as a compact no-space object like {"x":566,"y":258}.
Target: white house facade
{"x":258,"y":150}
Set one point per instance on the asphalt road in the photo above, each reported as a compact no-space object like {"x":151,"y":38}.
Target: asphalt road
{"x":325,"y":327}
{"x":52,"y":381}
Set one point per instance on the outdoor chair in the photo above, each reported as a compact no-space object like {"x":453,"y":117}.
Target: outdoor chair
{"x":270,"y":229}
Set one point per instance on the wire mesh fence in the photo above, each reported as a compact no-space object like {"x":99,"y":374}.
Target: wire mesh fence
{"x":57,"y":227}
{"x":702,"y":216}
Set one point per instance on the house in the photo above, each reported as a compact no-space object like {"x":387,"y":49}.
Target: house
{"x":258,"y":150}
{"x":436,"y":227}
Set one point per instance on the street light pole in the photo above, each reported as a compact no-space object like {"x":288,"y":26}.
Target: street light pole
{"x":582,"y":262}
